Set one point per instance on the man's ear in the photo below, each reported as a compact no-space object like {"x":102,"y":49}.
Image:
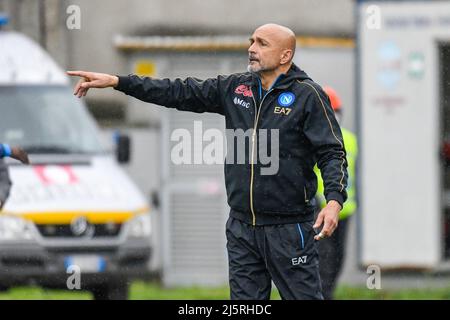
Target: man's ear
{"x":286,"y":56}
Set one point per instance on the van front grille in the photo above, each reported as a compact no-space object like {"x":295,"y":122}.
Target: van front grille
{"x":67,"y":231}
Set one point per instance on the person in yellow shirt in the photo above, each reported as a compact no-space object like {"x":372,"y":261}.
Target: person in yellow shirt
{"x":332,"y":249}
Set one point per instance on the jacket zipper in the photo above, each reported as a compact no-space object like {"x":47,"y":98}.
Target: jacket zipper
{"x":257,"y":112}
{"x":306,"y":196}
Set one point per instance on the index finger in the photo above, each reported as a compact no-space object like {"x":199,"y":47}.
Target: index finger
{"x":78,"y":73}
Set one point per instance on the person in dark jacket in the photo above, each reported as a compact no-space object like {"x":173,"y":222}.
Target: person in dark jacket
{"x":5,"y":182}
{"x":271,"y":231}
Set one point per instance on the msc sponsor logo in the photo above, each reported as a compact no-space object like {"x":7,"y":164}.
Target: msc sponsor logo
{"x":241,"y":102}
{"x":244,"y":90}
{"x":286,"y":99}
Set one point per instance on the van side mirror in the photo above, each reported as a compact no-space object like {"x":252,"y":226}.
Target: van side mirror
{"x":123,"y":148}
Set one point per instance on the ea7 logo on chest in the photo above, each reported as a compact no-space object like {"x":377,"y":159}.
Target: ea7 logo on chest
{"x":285,"y":100}
{"x":281,"y":110}
{"x":241,"y":102}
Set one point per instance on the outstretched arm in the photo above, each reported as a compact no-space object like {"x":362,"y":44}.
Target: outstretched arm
{"x":190,"y":94}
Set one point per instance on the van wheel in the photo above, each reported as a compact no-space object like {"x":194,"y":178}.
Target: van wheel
{"x":111,"y":291}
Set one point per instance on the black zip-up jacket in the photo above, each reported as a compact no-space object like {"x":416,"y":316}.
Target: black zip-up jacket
{"x":308,"y":134}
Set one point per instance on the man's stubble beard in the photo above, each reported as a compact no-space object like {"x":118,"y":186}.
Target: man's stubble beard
{"x":258,"y":69}
{"x":253,"y":69}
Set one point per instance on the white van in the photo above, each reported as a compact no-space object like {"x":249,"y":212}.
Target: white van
{"x":73,"y":212}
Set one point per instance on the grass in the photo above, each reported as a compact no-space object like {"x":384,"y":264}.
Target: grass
{"x":358,"y":293}
{"x":152,"y":291}
{"x":37,"y":293}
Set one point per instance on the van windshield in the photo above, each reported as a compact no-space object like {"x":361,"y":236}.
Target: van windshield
{"x":46,"y":119}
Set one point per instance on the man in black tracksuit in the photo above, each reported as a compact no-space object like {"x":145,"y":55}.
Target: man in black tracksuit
{"x":270,"y":230}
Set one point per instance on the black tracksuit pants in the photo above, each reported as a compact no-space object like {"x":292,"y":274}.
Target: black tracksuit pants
{"x":285,"y":253}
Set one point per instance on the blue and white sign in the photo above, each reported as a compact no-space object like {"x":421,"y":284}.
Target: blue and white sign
{"x":286,"y":99}
{"x":390,"y":63}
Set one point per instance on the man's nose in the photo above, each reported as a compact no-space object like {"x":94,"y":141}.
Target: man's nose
{"x":251,"y":49}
